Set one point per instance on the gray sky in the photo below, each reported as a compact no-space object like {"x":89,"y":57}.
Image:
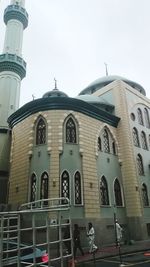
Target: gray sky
{"x":71,"y":39}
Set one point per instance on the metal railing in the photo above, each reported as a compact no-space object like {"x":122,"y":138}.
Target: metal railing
{"x":34,"y":235}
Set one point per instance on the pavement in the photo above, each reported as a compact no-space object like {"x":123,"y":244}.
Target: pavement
{"x":112,"y":250}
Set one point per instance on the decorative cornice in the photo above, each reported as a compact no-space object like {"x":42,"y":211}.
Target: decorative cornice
{"x":14,"y":63}
{"x":62,"y":103}
{"x":16,"y":12}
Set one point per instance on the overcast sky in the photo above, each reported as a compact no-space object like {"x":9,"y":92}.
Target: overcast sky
{"x":71,"y":39}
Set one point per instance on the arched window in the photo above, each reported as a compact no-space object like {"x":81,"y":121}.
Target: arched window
{"x":106,"y":141}
{"x":140,"y":165}
{"x":99,"y":144}
{"x":117,"y":191}
{"x":40,"y":132}
{"x":114,"y":148}
{"x":147,"y":120}
{"x":104,"y":191}
{"x":77,"y":189}
{"x":140,"y":116}
{"x":144,"y":141}
{"x":71,"y":131}
{"x":65,"y":185}
{"x":44,"y":187}
{"x":145,"y":196}
{"x":135,"y":137}
{"x":33,"y":188}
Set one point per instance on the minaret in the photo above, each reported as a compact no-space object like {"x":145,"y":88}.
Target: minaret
{"x":12,"y":65}
{"x":12,"y":71}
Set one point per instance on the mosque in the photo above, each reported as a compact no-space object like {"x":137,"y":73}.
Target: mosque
{"x":93,"y":149}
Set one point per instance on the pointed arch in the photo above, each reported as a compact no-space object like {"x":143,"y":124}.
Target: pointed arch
{"x":40,"y":131}
{"x":145,"y":195}
{"x":144,"y":140}
{"x":70,"y":130}
{"x":117,"y":193}
{"x":77,"y":188}
{"x":113,"y":143}
{"x":104,"y":194}
{"x":44,"y":187}
{"x":106,"y":144}
{"x":114,"y":147}
{"x":99,"y":144}
{"x":147,"y":119}
{"x":140,"y":116}
{"x":33,"y":187}
{"x":140,"y":164}
{"x":135,"y":137}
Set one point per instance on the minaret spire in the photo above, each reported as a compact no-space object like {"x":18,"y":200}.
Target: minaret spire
{"x":12,"y":65}
{"x":12,"y":71}
{"x":18,"y":2}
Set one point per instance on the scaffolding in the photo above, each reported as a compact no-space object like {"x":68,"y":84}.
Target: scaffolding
{"x":34,"y":234}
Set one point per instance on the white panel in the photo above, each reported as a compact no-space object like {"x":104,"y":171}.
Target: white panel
{"x":9,"y":96}
{"x":13,"y":37}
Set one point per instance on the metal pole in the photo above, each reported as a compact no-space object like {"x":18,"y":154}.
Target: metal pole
{"x":94,"y":260}
{"x":115,"y":217}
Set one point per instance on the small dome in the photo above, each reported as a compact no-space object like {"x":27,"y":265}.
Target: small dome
{"x":101,"y":82}
{"x":55,"y":93}
{"x":97,"y":101}
{"x":91,"y":99}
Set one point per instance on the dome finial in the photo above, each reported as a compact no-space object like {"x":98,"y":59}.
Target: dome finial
{"x":55,"y":84}
{"x":106,"y":69}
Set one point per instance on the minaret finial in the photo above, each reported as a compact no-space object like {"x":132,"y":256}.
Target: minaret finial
{"x":55,"y":84}
{"x":106,"y":69}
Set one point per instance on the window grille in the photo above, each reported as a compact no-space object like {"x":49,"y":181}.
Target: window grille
{"x":117,"y":191}
{"x":41,"y":132}
{"x":70,"y":131}
{"x":104,"y":192}
{"x":78,"y":193}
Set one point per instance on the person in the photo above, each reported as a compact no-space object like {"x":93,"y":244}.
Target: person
{"x":118,"y":232}
{"x":67,"y":236}
{"x":91,"y":236}
{"x":76,"y":240}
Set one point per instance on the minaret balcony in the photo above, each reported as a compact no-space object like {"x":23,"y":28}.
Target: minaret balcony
{"x":13,"y":63}
{"x":16,"y":12}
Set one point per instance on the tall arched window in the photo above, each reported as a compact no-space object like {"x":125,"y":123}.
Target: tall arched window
{"x":114,"y":148}
{"x":145,"y":195}
{"x":44,"y":187}
{"x":99,"y":144}
{"x":33,"y":188}
{"x":140,"y":165}
{"x":135,"y":137}
{"x":140,"y":116}
{"x":65,"y":185}
{"x":144,"y":141}
{"x":40,"y":132}
{"x":106,"y":141}
{"x":71,"y":136}
{"x":77,"y":189}
{"x":147,"y":120}
{"x":117,"y":192}
{"x":104,"y":191}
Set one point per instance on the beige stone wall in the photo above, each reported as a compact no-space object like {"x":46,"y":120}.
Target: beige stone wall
{"x":22,"y":149}
{"x":19,"y":162}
